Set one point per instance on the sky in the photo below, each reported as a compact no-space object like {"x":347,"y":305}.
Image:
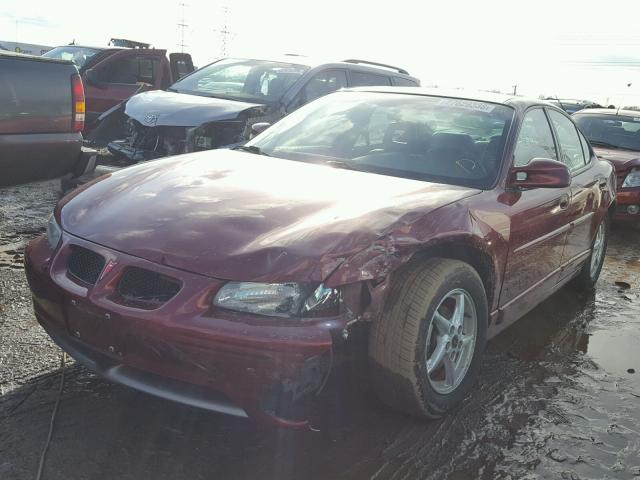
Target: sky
{"x":571,"y":49}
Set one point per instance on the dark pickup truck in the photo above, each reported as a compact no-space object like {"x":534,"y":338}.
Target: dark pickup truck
{"x":41,"y":118}
{"x":113,"y":74}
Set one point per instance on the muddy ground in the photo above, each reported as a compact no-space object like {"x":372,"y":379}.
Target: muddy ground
{"x":557,"y":398}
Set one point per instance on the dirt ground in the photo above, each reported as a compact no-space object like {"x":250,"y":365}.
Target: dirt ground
{"x":558,"y":397}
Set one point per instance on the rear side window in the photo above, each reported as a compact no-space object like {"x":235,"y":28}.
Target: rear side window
{"x":535,"y":140}
{"x":130,"y":70}
{"x":365,"y":79}
{"x":404,"y":82}
{"x":324,"y":83}
{"x":570,"y":145}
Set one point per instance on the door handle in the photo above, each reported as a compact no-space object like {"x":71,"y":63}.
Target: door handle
{"x":563,"y":203}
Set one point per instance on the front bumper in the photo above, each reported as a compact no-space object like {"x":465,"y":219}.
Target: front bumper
{"x":183,"y":350}
{"x":626,"y":197}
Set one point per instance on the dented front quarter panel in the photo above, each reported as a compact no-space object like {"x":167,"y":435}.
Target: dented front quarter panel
{"x":471,"y":223}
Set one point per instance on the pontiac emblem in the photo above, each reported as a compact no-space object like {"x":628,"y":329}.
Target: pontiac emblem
{"x":151,"y":119}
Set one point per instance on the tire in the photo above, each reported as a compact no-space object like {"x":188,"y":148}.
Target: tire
{"x":588,"y":276}
{"x":398,"y":350}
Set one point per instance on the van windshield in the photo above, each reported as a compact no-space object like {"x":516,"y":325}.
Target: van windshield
{"x":259,"y":81}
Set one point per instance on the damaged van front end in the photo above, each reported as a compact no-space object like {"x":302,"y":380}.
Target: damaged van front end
{"x":161,"y":124}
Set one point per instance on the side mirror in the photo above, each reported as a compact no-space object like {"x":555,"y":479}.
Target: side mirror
{"x":258,"y":128}
{"x":91,"y":77}
{"x":541,"y":173}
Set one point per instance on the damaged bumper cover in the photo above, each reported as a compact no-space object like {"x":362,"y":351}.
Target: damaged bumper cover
{"x":182,"y":350}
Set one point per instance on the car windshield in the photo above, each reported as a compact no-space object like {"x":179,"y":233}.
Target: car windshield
{"x":259,"y":81}
{"x":438,"y":139}
{"x":616,"y":131}
{"x":78,"y":55}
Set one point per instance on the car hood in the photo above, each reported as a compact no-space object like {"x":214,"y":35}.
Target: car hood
{"x":622,"y":160}
{"x":158,"y":108}
{"x":239,"y":216}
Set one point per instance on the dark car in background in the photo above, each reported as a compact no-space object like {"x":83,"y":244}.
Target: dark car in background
{"x":230,"y":280}
{"x":571,"y":105}
{"x":113,"y":74}
{"x":42,"y":113}
{"x":615,"y":136}
{"x":217,"y":105}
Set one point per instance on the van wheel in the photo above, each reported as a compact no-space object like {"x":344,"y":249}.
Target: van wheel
{"x":426,"y":346}
{"x":591,"y":269}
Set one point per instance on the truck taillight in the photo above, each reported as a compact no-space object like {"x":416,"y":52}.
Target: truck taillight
{"x":77,"y":90}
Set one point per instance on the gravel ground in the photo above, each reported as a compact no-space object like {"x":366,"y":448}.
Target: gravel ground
{"x":556,"y":399}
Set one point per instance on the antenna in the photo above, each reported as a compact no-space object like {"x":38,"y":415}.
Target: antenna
{"x":620,"y":104}
{"x":182,"y":26}
{"x":224,"y":32}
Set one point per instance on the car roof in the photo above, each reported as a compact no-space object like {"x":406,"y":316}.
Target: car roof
{"x":609,"y":111}
{"x":313,"y":62}
{"x":463,"y":94}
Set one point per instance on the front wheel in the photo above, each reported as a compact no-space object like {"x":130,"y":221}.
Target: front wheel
{"x":591,"y":269}
{"x":425,"y":348}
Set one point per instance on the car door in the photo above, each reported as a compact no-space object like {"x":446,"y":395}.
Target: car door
{"x":118,"y":77}
{"x":585,"y":190}
{"x":538,"y":223}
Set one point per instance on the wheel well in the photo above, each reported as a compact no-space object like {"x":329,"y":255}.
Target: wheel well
{"x":478,"y":259}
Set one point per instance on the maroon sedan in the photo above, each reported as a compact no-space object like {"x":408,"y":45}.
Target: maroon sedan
{"x":615,"y":135}
{"x":228,"y":279}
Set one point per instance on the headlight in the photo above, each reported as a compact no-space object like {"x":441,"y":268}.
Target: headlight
{"x":633,"y":179}
{"x":277,"y":299}
{"x":54,"y":232}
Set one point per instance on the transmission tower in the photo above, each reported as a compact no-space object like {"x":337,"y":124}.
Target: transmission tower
{"x":182,"y":26}
{"x":224,"y":32}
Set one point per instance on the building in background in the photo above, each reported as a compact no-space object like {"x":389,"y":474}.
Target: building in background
{"x":27,"y":48}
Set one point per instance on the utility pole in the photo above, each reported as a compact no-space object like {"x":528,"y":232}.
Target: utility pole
{"x":182,"y":26}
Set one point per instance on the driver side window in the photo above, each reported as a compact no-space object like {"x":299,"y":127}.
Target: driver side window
{"x":535,"y":139}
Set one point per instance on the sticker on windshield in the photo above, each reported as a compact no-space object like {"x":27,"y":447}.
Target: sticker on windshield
{"x":467,"y":104}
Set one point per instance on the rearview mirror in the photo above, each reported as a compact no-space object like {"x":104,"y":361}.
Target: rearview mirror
{"x":541,"y":173}
{"x":258,"y":128}
{"x":91,"y":77}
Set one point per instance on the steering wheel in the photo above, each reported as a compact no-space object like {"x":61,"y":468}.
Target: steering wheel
{"x":471,"y":166}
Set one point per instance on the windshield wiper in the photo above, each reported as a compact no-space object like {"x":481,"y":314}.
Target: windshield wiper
{"x":251,"y":149}
{"x":607,"y":145}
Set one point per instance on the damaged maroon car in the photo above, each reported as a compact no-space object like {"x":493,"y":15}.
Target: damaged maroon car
{"x":615,"y":135}
{"x":437,"y":220}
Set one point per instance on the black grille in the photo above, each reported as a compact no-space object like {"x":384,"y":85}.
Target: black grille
{"x":145,"y":288}
{"x":85,"y":264}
